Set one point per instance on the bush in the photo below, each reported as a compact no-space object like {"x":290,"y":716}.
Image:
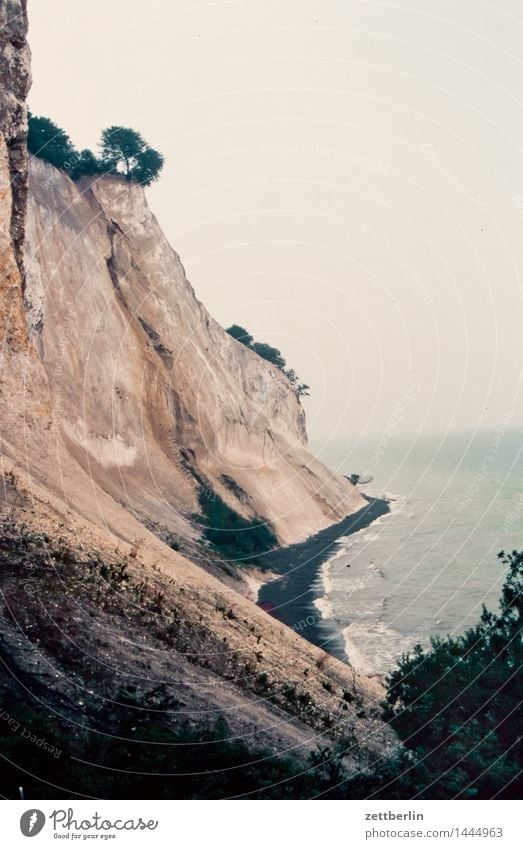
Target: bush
{"x":123,"y":152}
{"x":240,"y":334}
{"x":272,"y":355}
{"x":230,"y":534}
{"x":456,"y":706}
{"x":138,"y":756}
{"x":87,"y":164}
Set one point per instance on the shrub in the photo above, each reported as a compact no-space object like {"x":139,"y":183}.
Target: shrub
{"x":272,"y":355}
{"x":456,"y":705}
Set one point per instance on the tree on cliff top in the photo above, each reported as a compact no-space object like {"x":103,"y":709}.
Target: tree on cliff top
{"x":148,"y":166}
{"x":272,"y":355}
{"x":47,"y":141}
{"x":124,"y":148}
{"x":86,"y":164}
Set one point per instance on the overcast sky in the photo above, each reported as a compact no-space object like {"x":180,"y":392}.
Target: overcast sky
{"x":344,"y":178}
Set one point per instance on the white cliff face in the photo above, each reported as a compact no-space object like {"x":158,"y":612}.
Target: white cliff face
{"x":15,"y":81}
{"x":145,"y":384}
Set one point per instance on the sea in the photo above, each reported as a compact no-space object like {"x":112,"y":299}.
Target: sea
{"x":427,"y":567}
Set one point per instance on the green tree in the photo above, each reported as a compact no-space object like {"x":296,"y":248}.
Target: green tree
{"x":149,"y":163}
{"x":240,"y":334}
{"x":121,"y":146}
{"x":49,"y":142}
{"x":272,"y":355}
{"x":86,"y":164}
{"x":457,"y":706}
{"x":230,"y":534}
{"x":299,"y":387}
{"x":124,"y":148}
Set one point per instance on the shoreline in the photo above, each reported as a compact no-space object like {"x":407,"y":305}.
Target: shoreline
{"x":294,"y":586}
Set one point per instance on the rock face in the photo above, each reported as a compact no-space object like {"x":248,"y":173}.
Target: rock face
{"x":153,"y":398}
{"x":15,"y":75}
{"x":15,"y":81}
{"x":23,"y":391}
{"x":123,"y":399}
{"x":125,"y":385}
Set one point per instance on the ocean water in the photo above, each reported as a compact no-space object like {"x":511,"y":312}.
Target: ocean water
{"x":428,"y":566}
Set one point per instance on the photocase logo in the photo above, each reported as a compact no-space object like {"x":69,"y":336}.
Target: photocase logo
{"x":32,"y":822}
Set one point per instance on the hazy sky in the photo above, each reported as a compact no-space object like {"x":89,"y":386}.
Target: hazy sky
{"x":344,"y":178}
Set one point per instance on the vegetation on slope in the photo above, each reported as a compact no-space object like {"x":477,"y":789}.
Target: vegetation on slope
{"x":88,"y":730}
{"x":457,"y":706}
{"x":272,"y":355}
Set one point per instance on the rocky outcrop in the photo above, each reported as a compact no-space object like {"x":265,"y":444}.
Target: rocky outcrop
{"x":24,"y":396}
{"x":122,"y":400}
{"x":153,"y":398}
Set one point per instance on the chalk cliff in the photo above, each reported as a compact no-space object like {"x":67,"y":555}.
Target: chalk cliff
{"x":153,"y":398}
{"x":23,"y":390}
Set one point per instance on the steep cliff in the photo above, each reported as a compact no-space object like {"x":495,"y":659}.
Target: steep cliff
{"x":154,"y":399}
{"x":15,"y":74}
{"x":122,"y":403}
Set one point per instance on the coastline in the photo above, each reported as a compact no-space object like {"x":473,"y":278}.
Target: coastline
{"x":294,"y":593}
